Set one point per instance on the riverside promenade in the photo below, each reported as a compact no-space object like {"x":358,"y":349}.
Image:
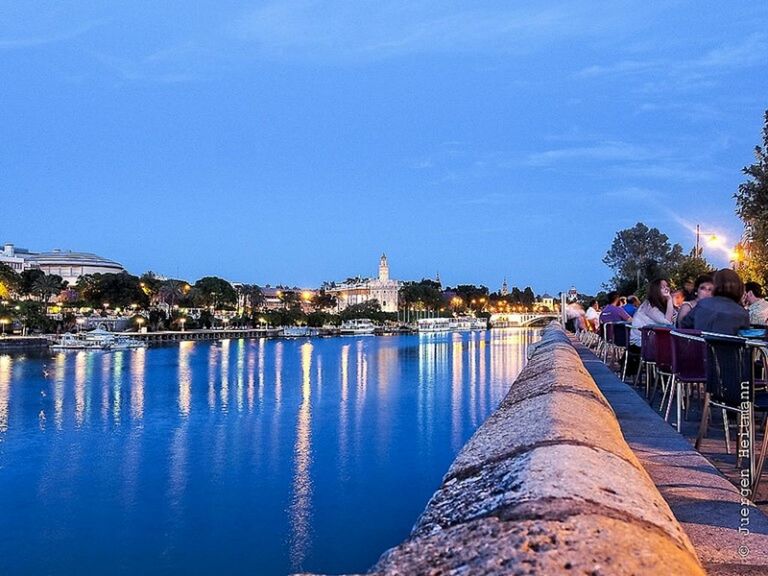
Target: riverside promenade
{"x":576,"y":474}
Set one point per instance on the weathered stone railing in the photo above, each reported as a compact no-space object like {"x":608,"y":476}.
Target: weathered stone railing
{"x":547,"y":485}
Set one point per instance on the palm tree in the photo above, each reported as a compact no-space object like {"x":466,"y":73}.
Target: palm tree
{"x":172,"y":290}
{"x":47,"y":286}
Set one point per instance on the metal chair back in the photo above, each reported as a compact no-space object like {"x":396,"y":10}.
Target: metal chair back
{"x":647,"y":344}
{"x":663,"y":348}
{"x":729,"y":369}
{"x":621,"y":334}
{"x":689,"y":355}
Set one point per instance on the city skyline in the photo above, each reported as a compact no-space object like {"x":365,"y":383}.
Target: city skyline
{"x":295,"y":142}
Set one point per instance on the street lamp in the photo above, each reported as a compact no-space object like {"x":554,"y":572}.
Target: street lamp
{"x":139,"y":322}
{"x":3,"y":322}
{"x":712,"y":239}
{"x":182,"y":321}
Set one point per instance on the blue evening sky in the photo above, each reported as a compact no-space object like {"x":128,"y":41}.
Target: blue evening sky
{"x":294,"y":142}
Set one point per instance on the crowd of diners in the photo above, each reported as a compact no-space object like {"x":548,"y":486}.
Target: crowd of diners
{"x":710,"y":310}
{"x":719,"y":302}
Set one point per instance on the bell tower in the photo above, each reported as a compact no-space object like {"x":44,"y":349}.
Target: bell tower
{"x":383,"y":268}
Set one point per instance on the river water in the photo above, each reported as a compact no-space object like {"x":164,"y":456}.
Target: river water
{"x":239,"y":456}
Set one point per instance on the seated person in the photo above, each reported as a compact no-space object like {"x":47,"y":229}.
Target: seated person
{"x":593,"y":317}
{"x":657,"y":309}
{"x":633,"y":303}
{"x":723,"y":312}
{"x":756,"y":304}
{"x":575,"y":314}
{"x":612,"y":312}
{"x":703,"y":288}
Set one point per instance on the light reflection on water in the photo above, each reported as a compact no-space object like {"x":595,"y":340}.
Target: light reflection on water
{"x":240,"y":456}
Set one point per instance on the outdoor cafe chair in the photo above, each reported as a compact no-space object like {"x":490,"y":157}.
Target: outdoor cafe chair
{"x":689,"y":368}
{"x":647,"y":357}
{"x":760,"y":403}
{"x":730,"y":386}
{"x":621,"y":331}
{"x":616,"y":342}
{"x":663,"y":370}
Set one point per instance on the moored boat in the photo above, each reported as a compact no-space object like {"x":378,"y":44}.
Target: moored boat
{"x":97,"y":340}
{"x":299,"y":331}
{"x":357,"y":327}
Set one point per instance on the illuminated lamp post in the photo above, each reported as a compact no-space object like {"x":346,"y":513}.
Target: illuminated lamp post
{"x":712,"y":239}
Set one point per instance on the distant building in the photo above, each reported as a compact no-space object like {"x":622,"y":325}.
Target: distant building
{"x":69,"y":265}
{"x":362,"y":290}
{"x":572,"y":295}
{"x":546,"y":301}
{"x":504,"y":287}
{"x":13,"y":257}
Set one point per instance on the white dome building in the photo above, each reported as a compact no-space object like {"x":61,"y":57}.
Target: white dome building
{"x":71,"y":265}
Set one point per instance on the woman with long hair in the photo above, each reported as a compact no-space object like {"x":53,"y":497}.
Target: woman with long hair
{"x":658,"y":308}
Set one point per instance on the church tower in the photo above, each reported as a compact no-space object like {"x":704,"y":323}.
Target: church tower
{"x":383,"y":268}
{"x":504,"y":288}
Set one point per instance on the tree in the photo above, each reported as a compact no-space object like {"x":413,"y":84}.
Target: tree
{"x":691,"y":266}
{"x":10,"y":281}
{"x":528,"y":297}
{"x":28,"y":279}
{"x":215,"y":292}
{"x":752,"y":208}
{"x":150,"y":284}
{"x":424,"y":295}
{"x":640,"y":254}
{"x":253,"y":296}
{"x":48,"y":285}
{"x":324,"y":301}
{"x":171,"y":291}
{"x":120,"y":289}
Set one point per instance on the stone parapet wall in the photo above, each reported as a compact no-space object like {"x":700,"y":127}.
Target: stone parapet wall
{"x":547,"y":485}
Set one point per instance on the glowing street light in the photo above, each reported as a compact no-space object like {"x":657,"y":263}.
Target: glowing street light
{"x":182,"y":321}
{"x":711,"y":239}
{"x":139,"y":321}
{"x":3,"y":322}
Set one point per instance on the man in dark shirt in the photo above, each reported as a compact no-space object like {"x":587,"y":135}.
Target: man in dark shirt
{"x":613,"y":312}
{"x":722,"y":313}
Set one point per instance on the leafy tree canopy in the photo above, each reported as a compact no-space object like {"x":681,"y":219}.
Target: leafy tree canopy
{"x":421,"y":295}
{"x":120,"y":289}
{"x":752,"y":208}
{"x":10,"y":281}
{"x":640,"y":254}
{"x":214,"y":291}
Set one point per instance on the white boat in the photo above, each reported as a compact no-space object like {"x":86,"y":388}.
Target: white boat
{"x":357,"y":327}
{"x":460,"y":324}
{"x":96,"y":340}
{"x":478,"y":323}
{"x":433,"y":325}
{"x":71,"y":342}
{"x":299,"y":331}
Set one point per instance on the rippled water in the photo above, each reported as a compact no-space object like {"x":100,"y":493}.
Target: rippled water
{"x":240,"y":456}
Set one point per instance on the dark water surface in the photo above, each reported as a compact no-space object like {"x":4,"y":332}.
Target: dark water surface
{"x":237,"y":457}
